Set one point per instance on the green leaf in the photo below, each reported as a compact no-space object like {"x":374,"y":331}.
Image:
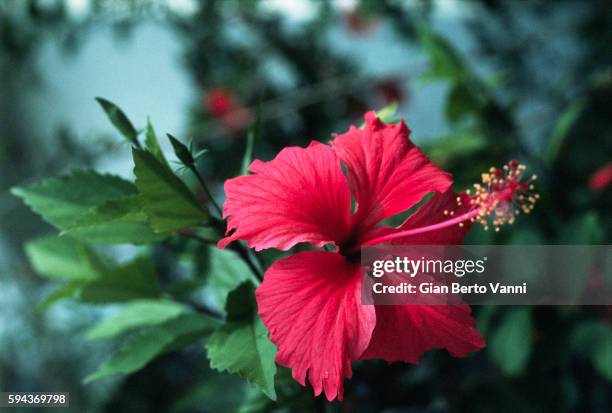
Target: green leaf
{"x":562,"y":128}
{"x":167,"y":201}
{"x":136,"y":279}
{"x":510,"y":345}
{"x":526,"y":236}
{"x":242,"y":346}
{"x":593,"y":340}
{"x":70,"y":289}
{"x":388,"y":113}
{"x":485,"y":317}
{"x":457,"y":145}
{"x":256,"y":403}
{"x":586,"y":229}
{"x":602,"y":356}
{"x":152,"y":144}
{"x":63,"y":258}
{"x":184,"y":287}
{"x":462,"y":100}
{"x":135,"y":314}
{"x":252,"y":138}
{"x":87,"y":205}
{"x":153,"y":342}
{"x":119,"y":120}
{"x":218,"y":392}
{"x":62,"y":200}
{"x":445,"y":62}
{"x":115,"y":222}
{"x":90,"y":278}
{"x":227,"y":271}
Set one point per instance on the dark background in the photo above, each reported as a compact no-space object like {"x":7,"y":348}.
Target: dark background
{"x":479,"y":83}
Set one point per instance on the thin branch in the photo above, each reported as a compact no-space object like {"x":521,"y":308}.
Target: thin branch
{"x":244,"y":254}
{"x":237,"y":247}
{"x":205,"y":187}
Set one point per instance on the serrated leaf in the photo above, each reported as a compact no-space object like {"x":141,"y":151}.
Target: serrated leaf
{"x":90,"y":206}
{"x":242,"y":345}
{"x":119,"y":120}
{"x":89,"y":277}
{"x":134,"y":280}
{"x":167,"y":201}
{"x":152,"y":143}
{"x":63,"y":258}
{"x":62,"y":200}
{"x":115,"y":222}
{"x":510,"y":345}
{"x":153,"y":342}
{"x":135,"y":314}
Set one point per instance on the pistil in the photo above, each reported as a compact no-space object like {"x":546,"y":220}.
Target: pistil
{"x":497,"y":200}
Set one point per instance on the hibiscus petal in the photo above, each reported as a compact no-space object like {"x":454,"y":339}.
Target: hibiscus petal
{"x":311,"y":304}
{"x":299,"y":196}
{"x":405,"y":332}
{"x":387,"y":174}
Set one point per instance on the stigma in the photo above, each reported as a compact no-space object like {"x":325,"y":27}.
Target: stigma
{"x":502,"y":195}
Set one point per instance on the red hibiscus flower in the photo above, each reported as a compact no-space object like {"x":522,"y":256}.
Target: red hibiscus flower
{"x":310,"y":301}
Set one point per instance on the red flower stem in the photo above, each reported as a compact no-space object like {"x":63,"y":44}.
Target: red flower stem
{"x":414,"y":231}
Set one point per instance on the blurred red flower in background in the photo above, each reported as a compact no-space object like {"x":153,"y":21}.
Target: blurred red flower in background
{"x":601,"y":179}
{"x":358,"y":23}
{"x":390,"y":90}
{"x":223,"y":106}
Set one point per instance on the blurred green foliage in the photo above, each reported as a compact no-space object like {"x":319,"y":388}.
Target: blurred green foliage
{"x":164,"y":300}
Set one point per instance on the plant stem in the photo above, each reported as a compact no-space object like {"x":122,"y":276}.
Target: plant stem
{"x":240,"y":249}
{"x":244,"y":254}
{"x":193,"y":169}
